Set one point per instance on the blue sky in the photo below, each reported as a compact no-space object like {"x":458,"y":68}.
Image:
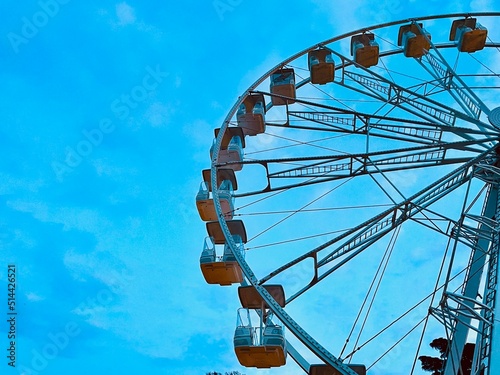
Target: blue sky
{"x":107,"y":114}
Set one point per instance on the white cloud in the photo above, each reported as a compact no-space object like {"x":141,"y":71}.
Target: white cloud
{"x":125,"y":14}
{"x":481,"y":5}
{"x":178,"y":82}
{"x":252,"y":75}
{"x":11,"y":184}
{"x":34,"y":297}
{"x":84,"y":219}
{"x":158,"y":114}
{"x":343,"y":15}
{"x":201,"y":134}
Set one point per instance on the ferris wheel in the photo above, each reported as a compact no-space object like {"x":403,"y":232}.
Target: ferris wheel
{"x":352,"y":200}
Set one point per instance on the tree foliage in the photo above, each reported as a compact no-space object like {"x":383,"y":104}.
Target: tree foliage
{"x":435,"y":364}
{"x":440,"y":344}
{"x":431,"y":364}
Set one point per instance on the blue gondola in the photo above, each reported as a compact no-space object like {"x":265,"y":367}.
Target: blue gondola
{"x":222,"y":270}
{"x":273,"y":336}
{"x":365,"y":49}
{"x":231,"y":154}
{"x":261,"y":347}
{"x":468,"y":34}
{"x":205,"y":202}
{"x":321,"y":66}
{"x":251,"y":115}
{"x":283,"y":83}
{"x":414,"y":39}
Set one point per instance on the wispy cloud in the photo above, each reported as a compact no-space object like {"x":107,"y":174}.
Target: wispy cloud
{"x":158,"y":114}
{"x":125,"y":14}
